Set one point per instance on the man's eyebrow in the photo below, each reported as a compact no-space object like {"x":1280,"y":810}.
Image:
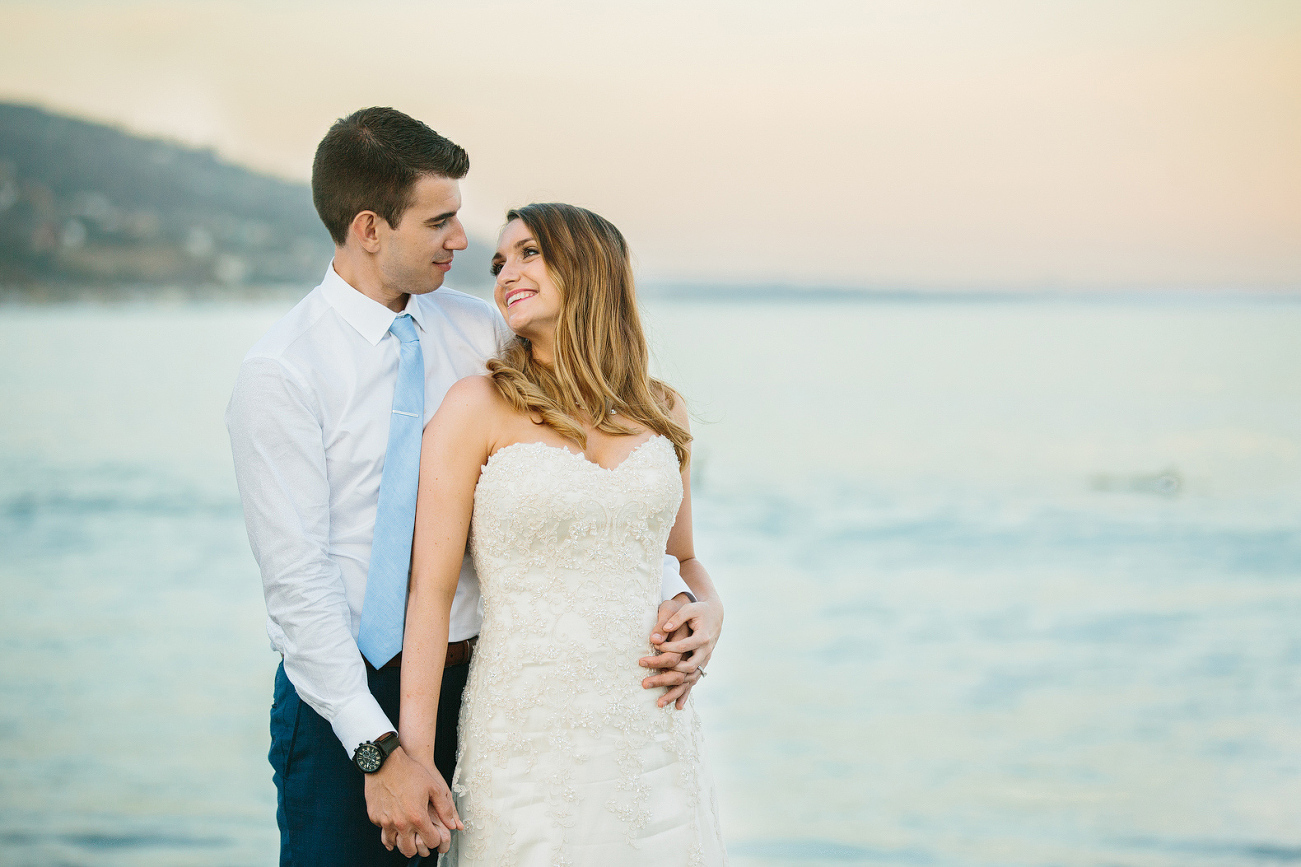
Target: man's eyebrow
{"x":443,"y":217}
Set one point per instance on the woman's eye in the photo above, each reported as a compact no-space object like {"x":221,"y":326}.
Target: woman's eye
{"x":496,"y":268}
{"x":531,"y":251}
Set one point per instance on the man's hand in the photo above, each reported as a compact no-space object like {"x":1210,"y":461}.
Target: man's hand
{"x":685,"y":636}
{"x":412,"y":806}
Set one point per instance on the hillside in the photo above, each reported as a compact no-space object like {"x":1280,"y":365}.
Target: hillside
{"x":87,"y":205}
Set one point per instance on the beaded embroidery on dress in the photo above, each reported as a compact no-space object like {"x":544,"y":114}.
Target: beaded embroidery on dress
{"x":565,"y":760}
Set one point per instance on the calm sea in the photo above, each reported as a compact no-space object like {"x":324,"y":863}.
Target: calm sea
{"x":1007,"y":582}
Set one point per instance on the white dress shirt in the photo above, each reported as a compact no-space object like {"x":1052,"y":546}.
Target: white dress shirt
{"x":308,"y":423}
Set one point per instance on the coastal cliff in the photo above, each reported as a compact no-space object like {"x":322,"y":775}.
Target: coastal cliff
{"x":89,"y":209}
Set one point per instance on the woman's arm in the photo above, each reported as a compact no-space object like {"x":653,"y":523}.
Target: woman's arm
{"x":456,"y":444}
{"x":704,"y":617}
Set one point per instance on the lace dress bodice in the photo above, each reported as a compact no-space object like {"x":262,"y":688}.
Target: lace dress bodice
{"x":564,"y":758}
{"x":553,"y":530}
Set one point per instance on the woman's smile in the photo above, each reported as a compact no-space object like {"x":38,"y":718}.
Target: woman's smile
{"x":519,"y":295}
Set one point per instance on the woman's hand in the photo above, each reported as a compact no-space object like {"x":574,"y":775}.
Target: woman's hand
{"x":412,"y":806}
{"x":685,"y":637}
{"x":704,"y":620}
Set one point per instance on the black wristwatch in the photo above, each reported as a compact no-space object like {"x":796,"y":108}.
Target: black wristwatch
{"x":370,"y":756}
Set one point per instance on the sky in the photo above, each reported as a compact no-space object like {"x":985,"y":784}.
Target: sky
{"x":1057,"y":144}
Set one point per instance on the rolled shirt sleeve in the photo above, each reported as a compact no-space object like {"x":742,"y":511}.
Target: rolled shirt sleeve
{"x":276,"y":440}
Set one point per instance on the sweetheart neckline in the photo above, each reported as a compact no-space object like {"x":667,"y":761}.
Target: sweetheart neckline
{"x":582,"y":456}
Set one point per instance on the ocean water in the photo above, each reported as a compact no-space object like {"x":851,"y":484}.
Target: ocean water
{"x":1007,"y":582}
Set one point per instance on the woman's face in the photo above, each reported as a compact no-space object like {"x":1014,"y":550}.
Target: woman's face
{"x":527,"y":297}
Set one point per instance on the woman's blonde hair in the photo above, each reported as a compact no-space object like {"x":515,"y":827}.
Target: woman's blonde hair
{"x":601,"y":363}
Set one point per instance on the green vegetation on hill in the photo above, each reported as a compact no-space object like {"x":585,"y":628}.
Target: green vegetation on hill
{"x":82,"y":203}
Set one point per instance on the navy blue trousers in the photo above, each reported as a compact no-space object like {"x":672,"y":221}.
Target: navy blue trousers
{"x":320,"y":793}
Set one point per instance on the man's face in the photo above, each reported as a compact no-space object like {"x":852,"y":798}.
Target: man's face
{"x":416,"y":255}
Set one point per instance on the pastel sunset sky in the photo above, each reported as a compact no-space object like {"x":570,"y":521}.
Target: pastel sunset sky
{"x":902,"y":143}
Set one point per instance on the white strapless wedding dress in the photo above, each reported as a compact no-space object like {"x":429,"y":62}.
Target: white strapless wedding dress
{"x":564,"y":758}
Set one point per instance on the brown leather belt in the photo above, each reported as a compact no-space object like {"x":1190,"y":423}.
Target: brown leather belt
{"x":458,"y":653}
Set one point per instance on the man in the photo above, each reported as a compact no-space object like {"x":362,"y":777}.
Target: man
{"x":324,"y":424}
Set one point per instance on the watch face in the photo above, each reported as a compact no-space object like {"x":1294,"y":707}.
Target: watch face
{"x":369,"y":758}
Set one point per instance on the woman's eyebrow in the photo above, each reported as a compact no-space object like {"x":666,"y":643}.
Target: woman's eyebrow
{"x":498,"y":257}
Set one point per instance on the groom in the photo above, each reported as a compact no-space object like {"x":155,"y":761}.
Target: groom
{"x":325,"y":423}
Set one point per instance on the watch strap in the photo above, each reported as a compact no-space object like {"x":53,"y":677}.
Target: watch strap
{"x":388,"y":743}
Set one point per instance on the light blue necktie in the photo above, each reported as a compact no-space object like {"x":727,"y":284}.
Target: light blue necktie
{"x":384,"y":611}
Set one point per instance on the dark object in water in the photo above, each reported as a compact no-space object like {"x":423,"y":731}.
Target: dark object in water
{"x":1167,"y":483}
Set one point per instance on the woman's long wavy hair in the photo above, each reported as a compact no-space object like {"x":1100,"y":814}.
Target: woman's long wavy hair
{"x":601,"y":363}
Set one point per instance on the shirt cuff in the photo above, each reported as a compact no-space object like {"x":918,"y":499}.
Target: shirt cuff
{"x":359,"y":720}
{"x":672,"y":582}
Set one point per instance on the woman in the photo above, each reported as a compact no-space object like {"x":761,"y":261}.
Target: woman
{"x":574,"y":463}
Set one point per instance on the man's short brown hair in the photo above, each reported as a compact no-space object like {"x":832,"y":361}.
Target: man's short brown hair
{"x":370,"y":160}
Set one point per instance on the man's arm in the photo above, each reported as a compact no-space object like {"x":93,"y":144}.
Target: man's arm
{"x":276,"y":441}
{"x":671,"y":584}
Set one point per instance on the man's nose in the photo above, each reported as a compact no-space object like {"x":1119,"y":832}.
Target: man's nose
{"x":457,"y":239}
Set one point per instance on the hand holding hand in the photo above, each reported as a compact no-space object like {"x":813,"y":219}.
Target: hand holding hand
{"x":685,"y":635}
{"x":705,"y":622}
{"x":412,"y":806}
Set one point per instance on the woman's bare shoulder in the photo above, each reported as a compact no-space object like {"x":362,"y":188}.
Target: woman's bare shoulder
{"x":678,"y":411}
{"x":478,"y":390}
{"x":473,"y":400}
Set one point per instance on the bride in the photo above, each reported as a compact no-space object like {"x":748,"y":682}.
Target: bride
{"x":574,"y":464}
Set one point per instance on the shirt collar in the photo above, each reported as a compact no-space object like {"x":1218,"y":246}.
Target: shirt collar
{"x":371,"y":318}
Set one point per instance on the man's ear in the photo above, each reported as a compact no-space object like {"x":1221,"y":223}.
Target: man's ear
{"x":365,"y":228}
